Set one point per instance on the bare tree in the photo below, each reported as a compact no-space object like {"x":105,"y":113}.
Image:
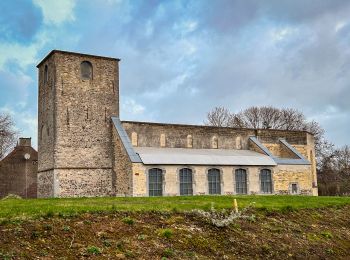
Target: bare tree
{"x":268,"y":117}
{"x":334,"y":173}
{"x":8,"y":135}
{"x":219,"y":116}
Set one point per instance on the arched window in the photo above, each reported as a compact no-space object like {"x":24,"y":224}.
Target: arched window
{"x":86,"y":70}
{"x":46,"y":74}
{"x":214,"y":142}
{"x":155,"y":182}
{"x":241,"y":181}
{"x":189,"y":141}
{"x":266,"y":181}
{"x":186,"y":181}
{"x":214,"y":181}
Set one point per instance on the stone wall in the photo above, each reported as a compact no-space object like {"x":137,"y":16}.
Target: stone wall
{"x":75,"y":130}
{"x":285,"y":175}
{"x":282,"y":177}
{"x":84,"y":182}
{"x":46,"y":184}
{"x":122,"y":167}
{"x":176,"y":135}
{"x":18,"y":175}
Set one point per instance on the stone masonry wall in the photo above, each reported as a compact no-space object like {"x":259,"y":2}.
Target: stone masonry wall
{"x":122,"y":166}
{"x":176,"y":136}
{"x":46,"y":184}
{"x":46,"y":115}
{"x":283,"y":177}
{"x":18,"y":175}
{"x":84,"y":182}
{"x":84,"y":108}
{"x":75,"y":133}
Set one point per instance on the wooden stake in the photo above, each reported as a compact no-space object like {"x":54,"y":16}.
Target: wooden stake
{"x":235,"y":205}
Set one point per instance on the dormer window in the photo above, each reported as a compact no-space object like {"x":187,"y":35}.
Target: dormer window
{"x":86,"y":70}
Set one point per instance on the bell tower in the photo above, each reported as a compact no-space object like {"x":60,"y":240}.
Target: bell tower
{"x":78,"y":95}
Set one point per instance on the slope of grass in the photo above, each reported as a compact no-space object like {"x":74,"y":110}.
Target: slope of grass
{"x":20,"y":208}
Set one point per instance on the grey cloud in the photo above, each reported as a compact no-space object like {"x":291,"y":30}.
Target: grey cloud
{"x":236,"y":63}
{"x":19,"y":20}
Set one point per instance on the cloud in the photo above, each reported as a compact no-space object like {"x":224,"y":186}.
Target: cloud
{"x":19,"y":21}
{"x":181,"y":58}
{"x":25,"y":122}
{"x":130,"y":108}
{"x":57,"y":12}
{"x":14,"y":87}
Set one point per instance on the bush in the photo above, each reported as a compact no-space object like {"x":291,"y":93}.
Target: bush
{"x":168,"y":253}
{"x":327,"y":234}
{"x":167,"y":233}
{"x":93,"y":250}
{"x":12,"y":196}
{"x":287,"y":209}
{"x":222,"y":218}
{"x":128,"y":220}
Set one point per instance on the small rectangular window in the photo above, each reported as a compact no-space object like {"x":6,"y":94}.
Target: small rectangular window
{"x":294,"y":188}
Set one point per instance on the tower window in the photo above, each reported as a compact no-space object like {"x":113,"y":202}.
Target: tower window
{"x":46,"y":74}
{"x":86,"y":70}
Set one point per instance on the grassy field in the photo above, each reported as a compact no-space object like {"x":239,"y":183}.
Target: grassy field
{"x":20,"y":208}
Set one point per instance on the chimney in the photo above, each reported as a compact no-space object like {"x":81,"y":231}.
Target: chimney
{"x":25,"y":141}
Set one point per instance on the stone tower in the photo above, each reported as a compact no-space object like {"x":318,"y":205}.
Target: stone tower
{"x":78,"y":94}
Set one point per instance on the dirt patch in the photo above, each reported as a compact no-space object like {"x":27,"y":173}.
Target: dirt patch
{"x":316,"y":234}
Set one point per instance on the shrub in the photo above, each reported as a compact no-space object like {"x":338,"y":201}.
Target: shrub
{"x":107,"y":242}
{"x":49,"y":214}
{"x":66,"y":228}
{"x":141,"y":237}
{"x":222,"y":218}
{"x":12,"y":196}
{"x":167,"y":233}
{"x":35,"y":234}
{"x":327,"y":234}
{"x":329,"y":251}
{"x":93,"y":250}
{"x":129,"y":254}
{"x":168,"y":253}
{"x":287,"y":209}
{"x":128,"y":220}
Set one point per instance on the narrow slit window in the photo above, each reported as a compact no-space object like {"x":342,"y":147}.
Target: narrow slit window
{"x":46,"y":74}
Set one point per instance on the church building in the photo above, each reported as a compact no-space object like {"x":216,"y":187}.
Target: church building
{"x":84,"y":149}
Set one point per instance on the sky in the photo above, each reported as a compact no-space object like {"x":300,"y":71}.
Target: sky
{"x":181,"y":58}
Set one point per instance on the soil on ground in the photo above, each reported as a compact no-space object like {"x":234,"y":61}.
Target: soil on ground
{"x":303,"y":234}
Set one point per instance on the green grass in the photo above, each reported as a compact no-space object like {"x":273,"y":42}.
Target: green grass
{"x":21,"y":208}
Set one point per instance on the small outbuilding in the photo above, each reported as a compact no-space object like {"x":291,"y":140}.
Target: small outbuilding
{"x":18,"y":171}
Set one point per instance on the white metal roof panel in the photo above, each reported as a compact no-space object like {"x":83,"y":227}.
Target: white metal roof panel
{"x":168,"y":156}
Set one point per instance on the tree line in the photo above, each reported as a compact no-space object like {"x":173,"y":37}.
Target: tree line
{"x":333,"y":164}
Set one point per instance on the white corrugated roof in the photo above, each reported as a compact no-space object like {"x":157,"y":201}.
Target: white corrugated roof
{"x":152,"y":155}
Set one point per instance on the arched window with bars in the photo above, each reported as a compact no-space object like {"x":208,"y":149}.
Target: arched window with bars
{"x":155,"y":182}
{"x":266,"y":181}
{"x":186,"y":181}
{"x":241,"y":181}
{"x":214,"y":181}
